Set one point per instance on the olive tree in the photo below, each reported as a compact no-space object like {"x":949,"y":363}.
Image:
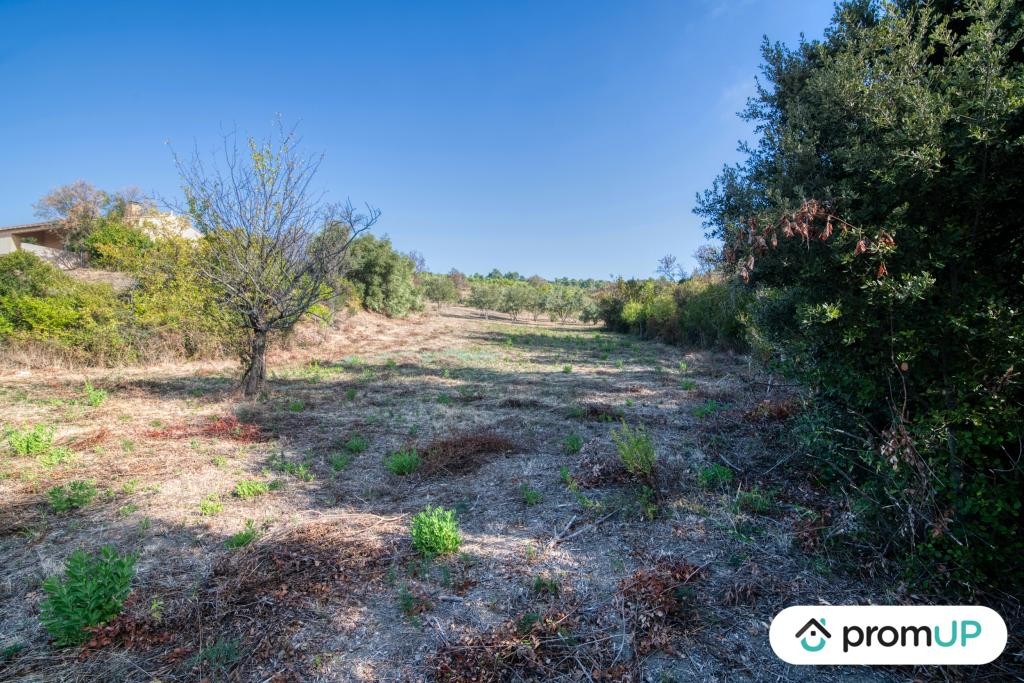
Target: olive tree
{"x":273,"y":246}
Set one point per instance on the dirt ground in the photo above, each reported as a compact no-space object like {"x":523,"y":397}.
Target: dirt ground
{"x":570,"y":568}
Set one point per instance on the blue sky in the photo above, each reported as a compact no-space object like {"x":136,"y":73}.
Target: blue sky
{"x":558,"y":138}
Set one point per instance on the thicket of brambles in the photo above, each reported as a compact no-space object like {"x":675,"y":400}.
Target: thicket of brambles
{"x":878,"y":224}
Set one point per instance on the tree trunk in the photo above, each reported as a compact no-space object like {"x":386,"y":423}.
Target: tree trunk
{"x":256,"y":372}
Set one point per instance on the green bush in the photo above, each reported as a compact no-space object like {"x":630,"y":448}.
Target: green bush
{"x":91,"y":592}
{"x":636,"y":450}
{"x":112,"y":242}
{"x":70,"y":496}
{"x":714,"y":476}
{"x":247,"y":489}
{"x":31,"y":441}
{"x":435,"y":531}
{"x":243,"y":537}
{"x":403,"y":462}
{"x":357,"y":444}
{"x":877,"y":223}
{"x":572,"y":444}
{"x":94,"y":396}
{"x":382,"y":277}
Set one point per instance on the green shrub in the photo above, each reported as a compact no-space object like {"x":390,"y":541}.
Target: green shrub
{"x":31,"y":441}
{"x":299,"y":470}
{"x":55,"y":455}
{"x":73,"y":495}
{"x":93,"y":396}
{"x":572,"y":444}
{"x":382,"y":277}
{"x":636,"y":450}
{"x":112,"y":243}
{"x":339,"y":461}
{"x":714,"y":476}
{"x":402,"y":462}
{"x":243,"y":537}
{"x":218,"y":657}
{"x":709,"y":407}
{"x":247,"y":489}
{"x":531,"y":496}
{"x":211,"y":505}
{"x":435,"y":531}
{"x":754,"y":501}
{"x":91,"y":592}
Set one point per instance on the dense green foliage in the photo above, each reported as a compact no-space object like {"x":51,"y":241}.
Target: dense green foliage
{"x":878,"y":221}
{"x":706,"y":310}
{"x":435,"y":531}
{"x":382,"y":277}
{"x":91,"y":592}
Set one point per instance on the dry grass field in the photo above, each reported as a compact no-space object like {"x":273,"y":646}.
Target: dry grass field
{"x":570,"y":567}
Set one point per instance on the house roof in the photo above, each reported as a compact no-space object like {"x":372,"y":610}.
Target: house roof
{"x":28,"y":227}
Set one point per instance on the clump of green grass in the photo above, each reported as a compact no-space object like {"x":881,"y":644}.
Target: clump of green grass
{"x":339,"y":461}
{"x":91,"y":592}
{"x":435,"y":531}
{"x":357,"y":444}
{"x":714,"y":476}
{"x":247,"y":489}
{"x":709,"y":407}
{"x":567,"y":369}
{"x":350,"y":394}
{"x":243,"y":537}
{"x":531,"y":496}
{"x":687,"y":384}
{"x":445,"y":399}
{"x":755,"y":501}
{"x":636,"y":450}
{"x":403,"y":462}
{"x":218,"y":658}
{"x":412,"y":604}
{"x":299,"y":470}
{"x":543,"y":585}
{"x":55,"y":455}
{"x":572,"y":444}
{"x":296,"y":405}
{"x":71,"y":496}
{"x":211,"y":505}
{"x":93,"y":396}
{"x":31,"y":441}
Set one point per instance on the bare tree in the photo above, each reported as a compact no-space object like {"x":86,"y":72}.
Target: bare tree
{"x":669,"y":268}
{"x":274,"y":246}
{"x":708,"y":257}
{"x":76,"y":206}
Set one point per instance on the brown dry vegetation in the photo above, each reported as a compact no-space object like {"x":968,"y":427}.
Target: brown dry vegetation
{"x":331,"y":589}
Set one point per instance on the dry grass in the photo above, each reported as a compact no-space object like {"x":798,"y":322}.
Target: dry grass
{"x":329,"y":590}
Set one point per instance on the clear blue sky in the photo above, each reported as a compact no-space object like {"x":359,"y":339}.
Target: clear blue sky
{"x":559,"y":138}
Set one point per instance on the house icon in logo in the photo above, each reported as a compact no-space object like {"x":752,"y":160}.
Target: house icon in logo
{"x":817,"y":630}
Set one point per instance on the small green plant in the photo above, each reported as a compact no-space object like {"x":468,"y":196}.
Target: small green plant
{"x":54,"y":456}
{"x":709,"y":407}
{"x":350,"y":394}
{"x":91,"y":592}
{"x":445,"y":399}
{"x":126,"y":510}
{"x":339,"y":461}
{"x":567,"y":369}
{"x":296,"y":405}
{"x":572,"y":444}
{"x":75,"y":494}
{"x":714,"y":476}
{"x":403,"y":462}
{"x":219,"y":461}
{"x":34,"y":441}
{"x":531,"y":496}
{"x":411,"y":604}
{"x":577,"y":412}
{"x":243,"y":537}
{"x":211,"y":505}
{"x":357,"y":444}
{"x":543,"y":585}
{"x":299,"y":470}
{"x":687,"y":384}
{"x":11,"y":651}
{"x":755,"y":501}
{"x":218,"y":657}
{"x":636,"y":450}
{"x":93,"y":396}
{"x":247,"y":489}
{"x":435,"y":531}
{"x":683,"y":366}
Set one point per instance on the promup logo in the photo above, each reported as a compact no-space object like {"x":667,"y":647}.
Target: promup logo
{"x":888,"y":635}
{"x":816,"y":628}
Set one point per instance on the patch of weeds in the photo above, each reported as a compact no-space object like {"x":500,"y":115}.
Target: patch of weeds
{"x":636,"y":450}
{"x":709,"y":407}
{"x":403,"y":462}
{"x":577,"y":412}
{"x":211,"y":505}
{"x":357,"y":444}
{"x":755,"y":501}
{"x":339,"y":461}
{"x":299,"y":470}
{"x":525,"y":623}
{"x":714,"y":476}
{"x":247,"y":489}
{"x":648,"y":502}
{"x":412,"y":603}
{"x":130,"y":487}
{"x":93,"y":396}
{"x":218,"y":657}
{"x":90,"y":593}
{"x":567,"y":369}
{"x":350,"y":394}
{"x":531,"y":496}
{"x":127,"y":445}
{"x":71,"y":496}
{"x":687,"y":384}
{"x":543,"y":585}
{"x":126,"y":510}
{"x":243,"y":537}
{"x":683,"y":367}
{"x":11,"y":651}
{"x":34,"y":441}
{"x":56,"y":455}
{"x":572,"y":444}
{"x":445,"y":399}
{"x":435,"y":531}
{"x":219,"y":461}
{"x":295,"y":405}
